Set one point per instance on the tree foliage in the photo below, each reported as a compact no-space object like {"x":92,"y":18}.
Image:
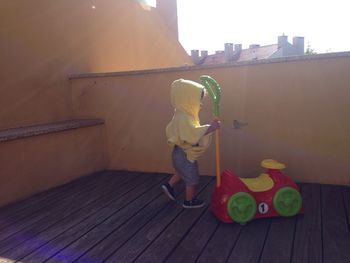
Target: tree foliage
{"x":309,"y":50}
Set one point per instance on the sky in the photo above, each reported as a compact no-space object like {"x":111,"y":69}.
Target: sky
{"x":208,"y":24}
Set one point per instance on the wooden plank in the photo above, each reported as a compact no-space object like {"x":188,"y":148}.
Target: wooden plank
{"x":67,"y":211}
{"x":18,"y":208}
{"x":118,"y":237}
{"x":39,"y":209}
{"x":216,"y":248}
{"x":251,"y":241}
{"x":335,"y":229}
{"x":192,"y":245}
{"x":139,"y":242}
{"x":53,"y":192}
{"x":15,"y":209}
{"x":72,"y":201}
{"x":167,"y":241}
{"x":73,"y":213}
{"x":279,"y":243}
{"x":307,"y":246}
{"x":221,"y":244}
{"x":37,"y":197}
{"x":34,"y":207}
{"x":280,"y":238}
{"x":346,"y":199}
{"x":57,"y":240}
{"x":101,"y":231}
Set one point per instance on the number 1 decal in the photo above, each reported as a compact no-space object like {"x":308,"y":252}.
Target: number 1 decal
{"x":263,"y":208}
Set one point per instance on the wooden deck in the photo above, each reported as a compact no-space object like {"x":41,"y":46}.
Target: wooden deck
{"x":124,"y":217}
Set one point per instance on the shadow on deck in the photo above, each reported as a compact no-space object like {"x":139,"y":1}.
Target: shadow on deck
{"x":124,"y":217}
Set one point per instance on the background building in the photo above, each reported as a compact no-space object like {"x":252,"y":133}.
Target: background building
{"x":235,"y":53}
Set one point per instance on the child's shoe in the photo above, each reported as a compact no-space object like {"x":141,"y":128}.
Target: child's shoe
{"x":169,"y":191}
{"x":194,"y":203}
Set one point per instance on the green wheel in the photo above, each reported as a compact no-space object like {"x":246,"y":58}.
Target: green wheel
{"x":287,"y":201}
{"x":241,"y":207}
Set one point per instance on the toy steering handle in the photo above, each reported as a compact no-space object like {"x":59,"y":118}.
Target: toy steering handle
{"x":215,"y":95}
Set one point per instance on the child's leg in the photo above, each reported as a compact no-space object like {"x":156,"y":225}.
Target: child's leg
{"x":189,"y":192}
{"x":174,"y":179}
{"x":191,"y":201}
{"x":168,"y":187}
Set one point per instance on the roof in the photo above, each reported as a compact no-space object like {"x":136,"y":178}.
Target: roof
{"x":261,"y":52}
{"x":258,"y":52}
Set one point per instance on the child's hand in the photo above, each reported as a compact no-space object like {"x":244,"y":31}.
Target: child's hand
{"x":213,"y":126}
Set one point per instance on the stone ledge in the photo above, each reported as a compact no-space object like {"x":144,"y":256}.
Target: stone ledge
{"x":29,"y":131}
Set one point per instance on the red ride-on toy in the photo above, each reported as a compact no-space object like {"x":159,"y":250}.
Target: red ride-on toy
{"x":243,"y":199}
{"x":240,"y":200}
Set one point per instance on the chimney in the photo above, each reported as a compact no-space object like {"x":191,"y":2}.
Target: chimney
{"x":204,"y":53}
{"x":229,"y":54}
{"x":298,"y":43}
{"x":195,"y":56}
{"x":168,"y":10}
{"x":282,"y":41}
{"x":238,"y":48}
{"x":254,"y":46}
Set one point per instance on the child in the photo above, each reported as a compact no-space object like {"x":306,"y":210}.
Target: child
{"x":188,"y":138}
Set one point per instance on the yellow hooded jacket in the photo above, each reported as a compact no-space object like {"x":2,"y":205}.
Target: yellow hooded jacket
{"x":185,"y":130}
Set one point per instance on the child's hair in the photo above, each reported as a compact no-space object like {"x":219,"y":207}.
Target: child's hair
{"x":203,"y":94}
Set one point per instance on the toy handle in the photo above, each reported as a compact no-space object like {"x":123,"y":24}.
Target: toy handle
{"x":217,"y":151}
{"x":215,"y":95}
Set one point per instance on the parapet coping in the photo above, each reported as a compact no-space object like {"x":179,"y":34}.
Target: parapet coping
{"x":41,"y":129}
{"x":199,"y":67}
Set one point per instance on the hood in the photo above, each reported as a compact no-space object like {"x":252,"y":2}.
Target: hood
{"x":186,"y":96}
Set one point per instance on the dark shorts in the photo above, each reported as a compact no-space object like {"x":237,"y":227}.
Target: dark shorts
{"x":186,"y":169}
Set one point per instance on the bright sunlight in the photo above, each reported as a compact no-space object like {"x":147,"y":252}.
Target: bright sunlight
{"x":208,"y":24}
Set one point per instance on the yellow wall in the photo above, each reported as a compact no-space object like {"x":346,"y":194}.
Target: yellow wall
{"x":168,"y":10}
{"x":38,"y":163}
{"x":297,"y":112}
{"x":41,"y":42}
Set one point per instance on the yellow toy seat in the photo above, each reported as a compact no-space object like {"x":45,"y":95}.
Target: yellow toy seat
{"x":261,"y":183}
{"x":272,"y":164}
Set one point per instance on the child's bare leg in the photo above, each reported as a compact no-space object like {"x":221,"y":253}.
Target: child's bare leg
{"x":189,"y":192}
{"x":174,"y":179}
{"x":190,"y":201}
